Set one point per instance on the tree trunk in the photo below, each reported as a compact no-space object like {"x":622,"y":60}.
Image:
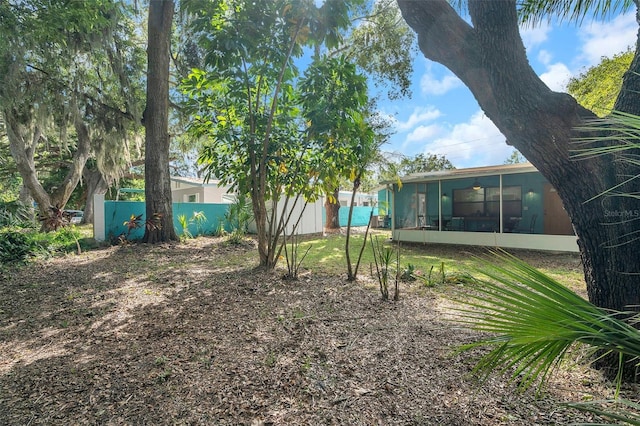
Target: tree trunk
{"x":95,"y":184}
{"x":332,"y":207}
{"x":23,"y":142}
{"x":260,"y":217}
{"x":490,"y":59}
{"x":25,"y":198}
{"x":159,"y":208}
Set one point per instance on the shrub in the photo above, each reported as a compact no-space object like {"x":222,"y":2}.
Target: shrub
{"x":16,"y":214}
{"x":17,"y":246}
{"x":64,"y":240}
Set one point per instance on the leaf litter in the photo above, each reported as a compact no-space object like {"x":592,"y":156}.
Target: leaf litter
{"x":192,"y":334}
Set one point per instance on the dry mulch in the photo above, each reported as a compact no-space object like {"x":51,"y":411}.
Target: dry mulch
{"x":191,"y":334}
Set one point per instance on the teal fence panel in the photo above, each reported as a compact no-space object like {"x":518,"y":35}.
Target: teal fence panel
{"x":117,"y":213}
{"x":360,"y":215}
{"x":214,"y":213}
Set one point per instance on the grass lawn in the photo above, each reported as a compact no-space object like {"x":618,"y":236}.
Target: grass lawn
{"x":327,"y":256}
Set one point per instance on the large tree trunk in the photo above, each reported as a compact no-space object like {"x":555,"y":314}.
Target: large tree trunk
{"x":159,"y":208}
{"x":331,"y":208}
{"x":23,"y":142}
{"x":490,"y":59}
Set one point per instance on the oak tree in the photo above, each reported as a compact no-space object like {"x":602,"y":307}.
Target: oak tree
{"x":488,"y":55}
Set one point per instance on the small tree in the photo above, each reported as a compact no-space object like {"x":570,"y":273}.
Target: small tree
{"x":246,"y":106}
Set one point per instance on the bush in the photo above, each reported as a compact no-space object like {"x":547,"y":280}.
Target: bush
{"x":64,"y":240}
{"x":16,"y":214}
{"x":17,"y":246}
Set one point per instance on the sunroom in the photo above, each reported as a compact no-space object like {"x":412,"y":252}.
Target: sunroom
{"x":510,"y":206}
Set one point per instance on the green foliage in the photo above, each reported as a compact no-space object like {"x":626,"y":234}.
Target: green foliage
{"x":198,"y":218}
{"x":535,"y":11}
{"x":334,"y":105}
{"x":184,"y":222}
{"x":15,"y":214}
{"x":433,"y":277}
{"x":421,"y":163}
{"x":238,"y":216}
{"x":621,"y":410}
{"x":535,"y":320}
{"x":383,"y":257}
{"x":408,"y":273}
{"x":64,"y":240}
{"x":123,"y":191}
{"x":598,"y":87}
{"x":21,"y":245}
{"x":269,"y":132}
{"x":10,"y":183}
{"x":384,"y":46}
{"x":61,"y":60}
{"x":17,"y":246}
{"x":515,"y":158}
{"x":220,"y":231}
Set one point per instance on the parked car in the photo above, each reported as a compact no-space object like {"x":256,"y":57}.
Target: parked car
{"x":74,"y":216}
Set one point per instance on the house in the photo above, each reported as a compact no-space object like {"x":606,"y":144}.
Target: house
{"x":196,"y":190}
{"x":362,"y":199}
{"x":511,"y":206}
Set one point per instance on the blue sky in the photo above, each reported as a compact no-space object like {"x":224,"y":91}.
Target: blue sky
{"x":443,"y":118}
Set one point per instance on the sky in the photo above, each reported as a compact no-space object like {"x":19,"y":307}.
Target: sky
{"x":442,"y":116}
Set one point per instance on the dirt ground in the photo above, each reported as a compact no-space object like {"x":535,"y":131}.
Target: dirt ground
{"x":190,"y":334}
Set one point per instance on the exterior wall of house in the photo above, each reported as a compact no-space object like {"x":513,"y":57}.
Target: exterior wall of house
{"x":361,"y":200}
{"x":486,"y":209}
{"x":564,"y":243}
{"x":198,"y":192}
{"x":188,"y":195}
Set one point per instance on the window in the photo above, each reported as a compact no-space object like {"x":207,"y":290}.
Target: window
{"x":486,"y":201}
{"x":192,"y":198}
{"x":468,"y":202}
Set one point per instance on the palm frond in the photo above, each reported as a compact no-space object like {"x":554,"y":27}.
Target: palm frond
{"x":535,"y":11}
{"x":621,"y":409}
{"x":535,"y":320}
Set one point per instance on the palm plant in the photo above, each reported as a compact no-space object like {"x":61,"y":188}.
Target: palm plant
{"x":238,"y":217}
{"x":182,"y":219}
{"x":535,"y":320}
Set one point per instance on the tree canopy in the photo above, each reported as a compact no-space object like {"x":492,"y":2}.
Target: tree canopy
{"x":70,"y":80}
{"x":598,"y":87}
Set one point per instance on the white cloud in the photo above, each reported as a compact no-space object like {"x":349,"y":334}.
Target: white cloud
{"x":532,"y":37}
{"x":422,"y":133}
{"x":430,"y":85}
{"x":419,"y":115}
{"x":556,"y":77}
{"x":544,"y":56}
{"x":477,"y":142}
{"x":607,"y":39}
